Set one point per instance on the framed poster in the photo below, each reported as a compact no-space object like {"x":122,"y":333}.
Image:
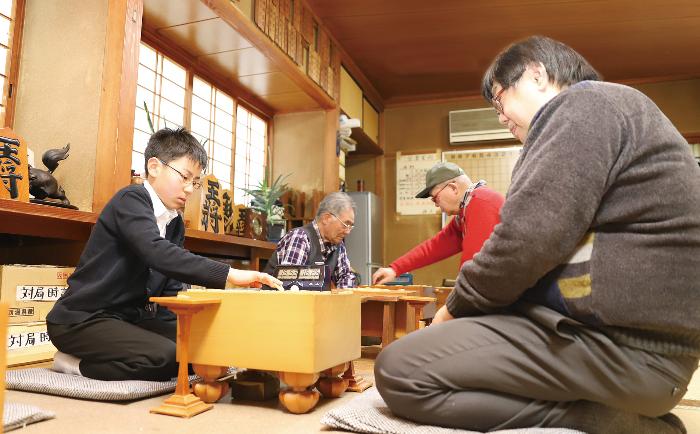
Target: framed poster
{"x":410,"y":179}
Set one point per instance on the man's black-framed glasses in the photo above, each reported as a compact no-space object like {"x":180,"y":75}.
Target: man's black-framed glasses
{"x":195,"y":183}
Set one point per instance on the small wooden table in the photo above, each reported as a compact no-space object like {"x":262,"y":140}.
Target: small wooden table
{"x":390,"y":313}
{"x":183,"y":403}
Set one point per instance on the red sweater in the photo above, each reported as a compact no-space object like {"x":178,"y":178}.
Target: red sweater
{"x":479,"y":217}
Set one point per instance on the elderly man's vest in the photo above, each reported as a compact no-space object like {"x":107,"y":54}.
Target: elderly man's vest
{"x":314,"y":257}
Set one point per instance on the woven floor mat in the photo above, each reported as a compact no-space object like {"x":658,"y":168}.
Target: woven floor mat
{"x":369,"y":414}
{"x":44,"y":380}
{"x":20,"y":415}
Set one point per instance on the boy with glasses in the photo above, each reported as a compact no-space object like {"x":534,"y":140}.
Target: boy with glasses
{"x":104,"y":326}
{"x":475,"y":208}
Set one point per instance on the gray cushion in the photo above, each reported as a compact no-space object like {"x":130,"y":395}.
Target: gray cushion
{"x":43,"y":380}
{"x":20,"y":415}
{"x":369,"y":414}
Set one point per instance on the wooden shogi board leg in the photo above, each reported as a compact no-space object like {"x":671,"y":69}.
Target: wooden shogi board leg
{"x":300,"y":396}
{"x":332,"y":384}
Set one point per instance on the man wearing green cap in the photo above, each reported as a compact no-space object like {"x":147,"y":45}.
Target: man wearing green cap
{"x":476,"y":208}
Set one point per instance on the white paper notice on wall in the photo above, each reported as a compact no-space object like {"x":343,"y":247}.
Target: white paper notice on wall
{"x":410,"y":179}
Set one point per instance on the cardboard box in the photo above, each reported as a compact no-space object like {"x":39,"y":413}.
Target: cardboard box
{"x":28,"y":343}
{"x":31,"y":290}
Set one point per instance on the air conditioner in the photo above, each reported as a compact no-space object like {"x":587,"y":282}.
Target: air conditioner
{"x":477,"y":125}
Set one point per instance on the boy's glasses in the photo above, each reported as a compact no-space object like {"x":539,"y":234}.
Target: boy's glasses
{"x":195,"y":183}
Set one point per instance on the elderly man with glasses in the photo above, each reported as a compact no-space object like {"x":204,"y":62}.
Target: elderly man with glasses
{"x":475,"y":208}
{"x":321,"y":241}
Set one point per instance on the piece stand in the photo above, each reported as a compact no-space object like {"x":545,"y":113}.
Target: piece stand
{"x":183,"y":403}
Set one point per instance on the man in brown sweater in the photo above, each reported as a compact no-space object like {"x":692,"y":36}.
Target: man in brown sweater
{"x":582,"y":309}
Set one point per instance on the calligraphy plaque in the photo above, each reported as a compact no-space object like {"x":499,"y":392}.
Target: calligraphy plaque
{"x":204,"y":209}
{"x":14,"y":168}
{"x":231,"y":213}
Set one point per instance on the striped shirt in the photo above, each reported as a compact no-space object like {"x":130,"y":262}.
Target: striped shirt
{"x":293,"y":249}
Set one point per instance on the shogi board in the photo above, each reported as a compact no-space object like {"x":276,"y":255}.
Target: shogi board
{"x":304,"y":331}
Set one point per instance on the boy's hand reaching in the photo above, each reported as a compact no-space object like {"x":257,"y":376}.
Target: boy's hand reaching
{"x":254,"y":279}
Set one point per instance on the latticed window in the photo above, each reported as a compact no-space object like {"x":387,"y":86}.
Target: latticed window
{"x":11,"y":16}
{"x":235,"y":137}
{"x":251,"y":137}
{"x":212,"y":122}
{"x":161,"y":85}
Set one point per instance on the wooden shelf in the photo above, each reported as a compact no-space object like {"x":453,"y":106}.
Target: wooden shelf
{"x":365,"y":145}
{"x":215,"y":33}
{"x":22,"y":218}
{"x":227,"y":245}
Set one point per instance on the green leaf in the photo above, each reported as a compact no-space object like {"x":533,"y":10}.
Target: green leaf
{"x":148,"y":116}
{"x":264,"y":196}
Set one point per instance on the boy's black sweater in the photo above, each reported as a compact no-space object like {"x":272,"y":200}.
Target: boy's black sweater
{"x":126,"y":261}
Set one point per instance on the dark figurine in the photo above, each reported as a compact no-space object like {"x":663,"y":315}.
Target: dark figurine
{"x":42,"y":184}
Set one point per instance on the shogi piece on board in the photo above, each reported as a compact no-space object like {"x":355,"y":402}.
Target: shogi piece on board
{"x":299,"y":334}
{"x":252,"y":224}
{"x":204,"y":209}
{"x":28,"y":343}
{"x":14,"y":167}
{"x":31,"y":290}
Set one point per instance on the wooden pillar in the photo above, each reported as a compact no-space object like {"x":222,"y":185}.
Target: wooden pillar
{"x":117,"y":100}
{"x":330,"y":159}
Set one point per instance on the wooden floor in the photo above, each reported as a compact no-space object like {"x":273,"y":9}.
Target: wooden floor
{"x":87,"y":417}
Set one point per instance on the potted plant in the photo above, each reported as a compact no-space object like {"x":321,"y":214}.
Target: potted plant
{"x":266,"y":200}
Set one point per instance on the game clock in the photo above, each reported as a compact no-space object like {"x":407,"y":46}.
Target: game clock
{"x":304,"y":277}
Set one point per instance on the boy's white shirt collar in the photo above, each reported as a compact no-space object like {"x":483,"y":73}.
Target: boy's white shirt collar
{"x":163,"y":215}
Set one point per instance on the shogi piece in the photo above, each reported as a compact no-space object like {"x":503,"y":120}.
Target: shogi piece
{"x":14,"y":168}
{"x":204,"y":209}
{"x":302,"y":335}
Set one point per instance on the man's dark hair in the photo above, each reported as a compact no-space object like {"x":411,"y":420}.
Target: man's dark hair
{"x":167,"y":145}
{"x":563,"y":64}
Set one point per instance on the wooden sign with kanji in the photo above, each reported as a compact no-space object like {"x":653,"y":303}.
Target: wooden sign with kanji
{"x":204,"y":209}
{"x":231,"y":213}
{"x":14,"y":168}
